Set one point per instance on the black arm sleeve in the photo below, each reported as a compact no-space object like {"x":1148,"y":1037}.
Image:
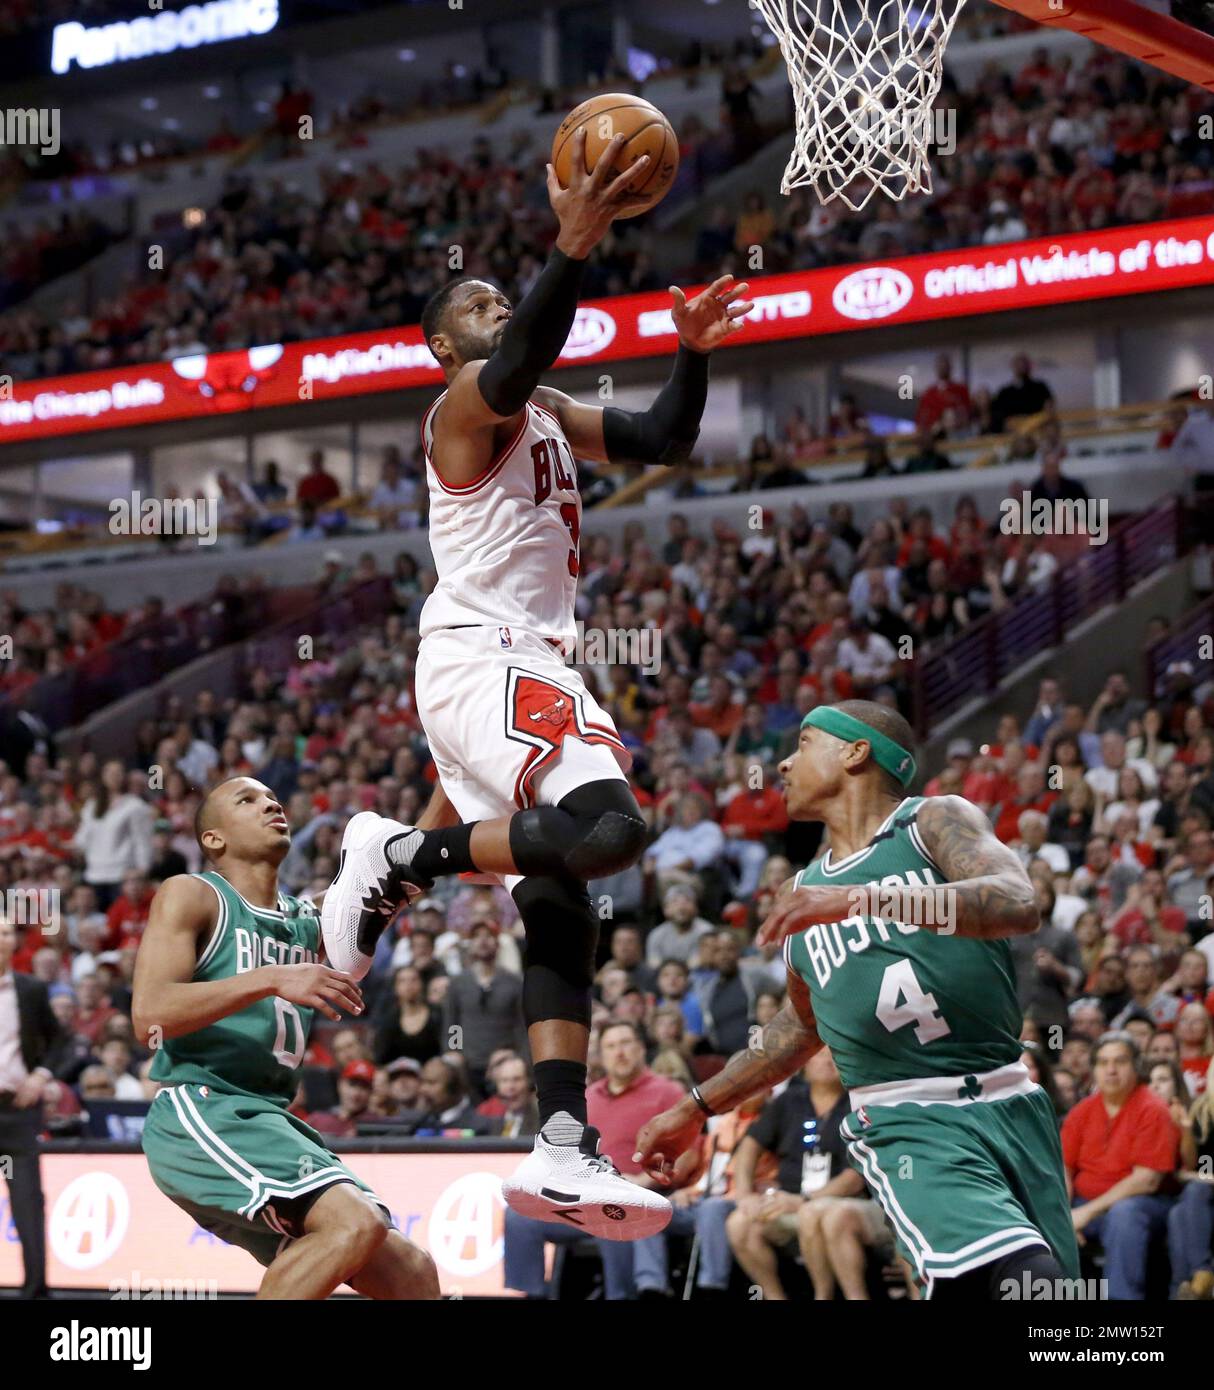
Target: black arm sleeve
{"x":533,"y":338}
{"x":668,"y":430}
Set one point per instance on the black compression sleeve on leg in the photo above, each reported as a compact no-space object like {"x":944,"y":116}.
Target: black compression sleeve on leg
{"x":533,"y":338}
{"x":1016,"y":1275}
{"x":562,"y":933}
{"x":994,"y":1282}
{"x":668,"y":430}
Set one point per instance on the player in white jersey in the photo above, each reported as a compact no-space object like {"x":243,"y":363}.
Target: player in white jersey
{"x":531,"y":768}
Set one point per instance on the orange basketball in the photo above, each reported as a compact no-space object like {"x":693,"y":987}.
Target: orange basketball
{"x":648,"y":132}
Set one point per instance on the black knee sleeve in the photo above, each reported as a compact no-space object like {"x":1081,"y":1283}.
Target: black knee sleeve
{"x":597,"y":830}
{"x":561,"y":935}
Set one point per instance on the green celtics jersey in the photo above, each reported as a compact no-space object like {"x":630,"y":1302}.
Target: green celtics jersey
{"x":894,"y":1001}
{"x":257,"y":1050}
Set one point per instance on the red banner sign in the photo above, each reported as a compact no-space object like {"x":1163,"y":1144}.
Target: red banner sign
{"x":953,"y":284}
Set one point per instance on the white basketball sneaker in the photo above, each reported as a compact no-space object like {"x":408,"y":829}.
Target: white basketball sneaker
{"x":367,"y":891}
{"x":572,"y":1184}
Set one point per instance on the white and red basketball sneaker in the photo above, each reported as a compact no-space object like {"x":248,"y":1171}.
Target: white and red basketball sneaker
{"x":367,"y":891}
{"x":572,"y":1184}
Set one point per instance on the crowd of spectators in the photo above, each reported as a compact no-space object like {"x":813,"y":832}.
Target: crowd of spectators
{"x":268,"y":264}
{"x":34,"y":256}
{"x":1109,"y":804}
{"x":1058,"y":146}
{"x":68,"y":659}
{"x":1022,"y":410}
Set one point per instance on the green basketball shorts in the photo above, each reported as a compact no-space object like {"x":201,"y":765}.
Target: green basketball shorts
{"x":241,"y":1166}
{"x":964,"y":1181}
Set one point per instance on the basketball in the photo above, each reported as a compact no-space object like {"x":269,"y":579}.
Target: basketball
{"x":648,"y":132}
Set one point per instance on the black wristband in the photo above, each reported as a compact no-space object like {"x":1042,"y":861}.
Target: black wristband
{"x":700,"y":1101}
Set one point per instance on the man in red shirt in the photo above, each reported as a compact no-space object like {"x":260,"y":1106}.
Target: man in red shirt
{"x":618,"y":1107}
{"x":95,"y":1009}
{"x":128,"y":914}
{"x":354,"y":1087}
{"x":21,"y":834}
{"x":720,"y":712}
{"x":1120,"y":1147}
{"x":317,"y":485}
{"x":942,"y":395}
{"x":1031,"y":795}
{"x":512,"y":1102}
{"x":749,"y":817}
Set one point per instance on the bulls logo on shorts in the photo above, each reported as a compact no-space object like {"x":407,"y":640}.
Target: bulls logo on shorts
{"x":542,"y":714}
{"x":540,"y":708}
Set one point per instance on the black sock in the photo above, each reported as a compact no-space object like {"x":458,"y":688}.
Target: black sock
{"x":443,"y":852}
{"x":560,"y":1085}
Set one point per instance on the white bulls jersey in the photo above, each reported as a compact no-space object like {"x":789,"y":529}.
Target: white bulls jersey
{"x":506,"y":544}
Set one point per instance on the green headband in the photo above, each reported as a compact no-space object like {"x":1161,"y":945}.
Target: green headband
{"x":886,"y":753}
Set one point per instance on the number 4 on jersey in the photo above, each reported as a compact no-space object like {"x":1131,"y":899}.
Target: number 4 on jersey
{"x":901,"y":1001}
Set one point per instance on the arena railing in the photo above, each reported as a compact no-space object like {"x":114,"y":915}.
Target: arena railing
{"x":141,"y":658}
{"x":341,"y":615}
{"x":1182,"y":644}
{"x":334,"y":617}
{"x":974,"y":663}
{"x":1090,"y":429}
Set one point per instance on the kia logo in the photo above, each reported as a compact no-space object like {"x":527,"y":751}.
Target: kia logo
{"x":593,"y":330}
{"x":874,"y":293}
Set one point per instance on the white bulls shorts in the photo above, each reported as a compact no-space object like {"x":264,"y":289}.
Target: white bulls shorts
{"x":509,"y":724}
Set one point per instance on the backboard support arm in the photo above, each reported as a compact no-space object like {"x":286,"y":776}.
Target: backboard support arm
{"x":1140,"y":33}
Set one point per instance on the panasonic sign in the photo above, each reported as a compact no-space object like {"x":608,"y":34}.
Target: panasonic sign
{"x":166,"y":32}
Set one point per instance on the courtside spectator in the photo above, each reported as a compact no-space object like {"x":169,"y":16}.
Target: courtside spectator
{"x":1121,"y":1148}
{"x":618,"y":1106}
{"x":801,"y":1128}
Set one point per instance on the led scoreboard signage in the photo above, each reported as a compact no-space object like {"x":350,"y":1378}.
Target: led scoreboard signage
{"x":98,"y":46}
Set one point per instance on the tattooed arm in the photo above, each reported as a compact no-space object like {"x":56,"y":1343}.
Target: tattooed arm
{"x":988,"y":893}
{"x":991,"y":895}
{"x":785,"y":1045}
{"x":666,"y":1145}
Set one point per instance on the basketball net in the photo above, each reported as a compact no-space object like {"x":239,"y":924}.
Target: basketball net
{"x":865,"y":75}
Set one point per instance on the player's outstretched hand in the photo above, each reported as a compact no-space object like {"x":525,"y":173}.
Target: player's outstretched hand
{"x":318,"y":987}
{"x":797,"y":911}
{"x":667,"y":1146}
{"x":593,"y":200}
{"x":707,"y":320}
